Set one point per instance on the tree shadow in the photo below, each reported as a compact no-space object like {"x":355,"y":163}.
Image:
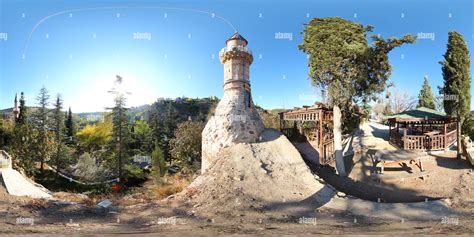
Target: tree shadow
{"x":351,"y":207}
{"x":385,"y":192}
{"x":451,"y":162}
{"x":308,"y":152}
{"x":382,"y":133}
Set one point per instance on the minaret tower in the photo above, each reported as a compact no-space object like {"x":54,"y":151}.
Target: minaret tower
{"x":235,"y":120}
{"x":16,"y":109}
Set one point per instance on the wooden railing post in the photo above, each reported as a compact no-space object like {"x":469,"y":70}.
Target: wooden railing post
{"x":389,"y":131}
{"x":445,"y":145}
{"x":405,"y":137}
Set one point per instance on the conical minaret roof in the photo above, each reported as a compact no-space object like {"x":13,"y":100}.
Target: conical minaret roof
{"x":237,"y":36}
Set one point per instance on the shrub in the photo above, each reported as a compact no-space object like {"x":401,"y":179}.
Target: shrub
{"x":186,"y":145}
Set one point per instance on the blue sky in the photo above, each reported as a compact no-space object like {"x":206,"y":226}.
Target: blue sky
{"x":78,"y":53}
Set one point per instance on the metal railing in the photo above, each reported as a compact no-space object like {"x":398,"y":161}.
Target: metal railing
{"x":235,"y":48}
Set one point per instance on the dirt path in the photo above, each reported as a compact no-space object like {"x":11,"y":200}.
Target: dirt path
{"x":449,"y":178}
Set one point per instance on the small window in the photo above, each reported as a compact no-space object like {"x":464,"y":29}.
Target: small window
{"x":247,"y":98}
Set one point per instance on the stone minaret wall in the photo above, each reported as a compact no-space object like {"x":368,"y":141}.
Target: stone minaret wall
{"x":235,"y":119}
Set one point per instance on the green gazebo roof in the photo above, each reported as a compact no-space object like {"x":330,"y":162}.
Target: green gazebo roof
{"x":418,"y":115}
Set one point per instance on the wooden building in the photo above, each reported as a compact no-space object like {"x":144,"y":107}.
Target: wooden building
{"x":313,"y":124}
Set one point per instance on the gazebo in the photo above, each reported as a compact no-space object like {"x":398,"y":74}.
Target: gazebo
{"x":422,"y":129}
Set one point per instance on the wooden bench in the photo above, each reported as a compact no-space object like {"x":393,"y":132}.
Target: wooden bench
{"x":400,"y":177}
{"x":386,"y":157}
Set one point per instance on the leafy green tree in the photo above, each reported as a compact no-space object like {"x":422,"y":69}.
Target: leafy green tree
{"x":186,"y":144}
{"x":343,"y":65}
{"x":426,"y":98}
{"x":457,"y":81}
{"x":6,"y":133}
{"x":94,"y":137}
{"x":24,"y":148}
{"x":23,"y":145}
{"x":23,"y":110}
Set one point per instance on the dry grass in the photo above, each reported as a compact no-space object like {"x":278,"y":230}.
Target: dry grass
{"x":150,"y":192}
{"x":37,"y":204}
{"x":174,"y":184}
{"x":72,"y":197}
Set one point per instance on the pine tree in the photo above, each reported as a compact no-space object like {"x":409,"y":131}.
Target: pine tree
{"x":120,"y":133}
{"x":425,"y":98}
{"x":21,"y":120}
{"x":159,"y":164}
{"x":156,"y":126}
{"x":457,"y":80}
{"x":41,"y":124}
{"x":169,"y":125}
{"x":58,"y":128}
{"x":69,"y":123}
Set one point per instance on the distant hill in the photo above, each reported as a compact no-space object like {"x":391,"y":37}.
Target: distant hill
{"x":6,"y":113}
{"x":181,"y":108}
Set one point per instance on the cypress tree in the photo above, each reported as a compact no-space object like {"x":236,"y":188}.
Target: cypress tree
{"x":425,"y":98}
{"x":457,"y":80}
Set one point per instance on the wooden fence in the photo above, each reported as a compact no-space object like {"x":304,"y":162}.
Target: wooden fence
{"x":423,"y":142}
{"x":327,"y":151}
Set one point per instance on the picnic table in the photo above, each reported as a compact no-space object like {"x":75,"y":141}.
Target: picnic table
{"x":432,"y":133}
{"x":385,"y":157}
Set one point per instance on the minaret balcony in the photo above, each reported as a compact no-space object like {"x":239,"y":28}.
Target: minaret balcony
{"x":235,"y":48}
{"x":235,"y":51}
